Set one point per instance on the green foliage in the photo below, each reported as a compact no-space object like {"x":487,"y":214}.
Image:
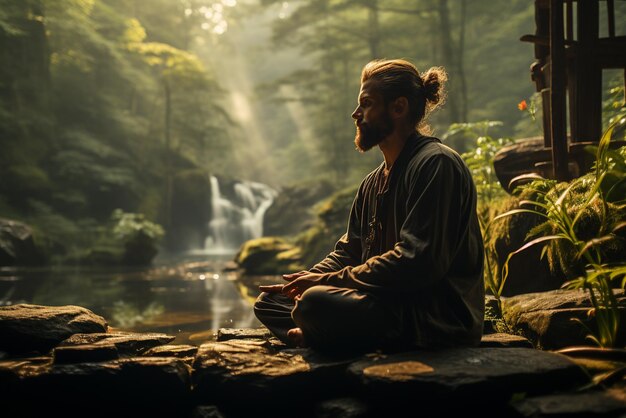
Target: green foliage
{"x":490,"y":193}
{"x":583,"y":231}
{"x":128,"y":226}
{"x":480,"y":159}
{"x":614,"y":106}
{"x":97,"y":113}
{"x":128,"y":315}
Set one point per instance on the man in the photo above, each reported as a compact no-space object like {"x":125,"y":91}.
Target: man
{"x":408,"y":271}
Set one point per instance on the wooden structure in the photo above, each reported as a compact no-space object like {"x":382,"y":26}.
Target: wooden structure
{"x":570,"y":55}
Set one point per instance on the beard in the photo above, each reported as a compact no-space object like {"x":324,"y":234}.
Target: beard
{"x":369,"y":135}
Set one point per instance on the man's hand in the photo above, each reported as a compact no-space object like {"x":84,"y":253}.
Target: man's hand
{"x":298,"y":283}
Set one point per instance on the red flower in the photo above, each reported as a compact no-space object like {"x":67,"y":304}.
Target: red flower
{"x":522,"y":105}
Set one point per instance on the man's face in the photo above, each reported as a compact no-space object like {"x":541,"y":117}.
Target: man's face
{"x":371,"y":117}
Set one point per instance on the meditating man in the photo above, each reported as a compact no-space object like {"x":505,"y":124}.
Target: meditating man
{"x":408,"y":271}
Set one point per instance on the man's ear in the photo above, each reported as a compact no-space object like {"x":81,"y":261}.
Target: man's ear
{"x":400,"y":107}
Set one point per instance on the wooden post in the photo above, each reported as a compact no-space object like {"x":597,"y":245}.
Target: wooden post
{"x":557,"y":92}
{"x":585,"y":87}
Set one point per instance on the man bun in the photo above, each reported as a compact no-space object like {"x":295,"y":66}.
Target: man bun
{"x":434,"y":79}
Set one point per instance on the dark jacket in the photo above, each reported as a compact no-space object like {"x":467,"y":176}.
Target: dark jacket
{"x":417,"y":244}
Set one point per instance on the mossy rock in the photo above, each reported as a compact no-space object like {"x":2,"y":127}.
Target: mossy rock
{"x":332,"y":219}
{"x":269,"y":255}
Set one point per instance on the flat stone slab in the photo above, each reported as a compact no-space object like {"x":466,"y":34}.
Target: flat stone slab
{"x":501,"y":339}
{"x":602,"y":402}
{"x":545,"y":318}
{"x":179,"y":351}
{"x":127,"y":343}
{"x":225,"y":334}
{"x":25,"y":328}
{"x":466,"y":375}
{"x":139,"y":381}
{"x":250,"y":371}
{"x":84,"y":353}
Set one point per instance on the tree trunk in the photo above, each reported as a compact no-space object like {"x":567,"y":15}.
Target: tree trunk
{"x":168,"y":155}
{"x":373,"y":29}
{"x":461,"y":63}
{"x":447,"y":55}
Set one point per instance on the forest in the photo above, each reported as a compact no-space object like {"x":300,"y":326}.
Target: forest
{"x":165,"y":164}
{"x":113,"y":113}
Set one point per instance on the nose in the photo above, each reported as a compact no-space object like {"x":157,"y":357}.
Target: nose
{"x":357,"y":113}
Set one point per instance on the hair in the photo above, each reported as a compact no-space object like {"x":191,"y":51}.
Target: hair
{"x":399,"y":78}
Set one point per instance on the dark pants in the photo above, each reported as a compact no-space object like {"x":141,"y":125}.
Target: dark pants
{"x":333,"y":319}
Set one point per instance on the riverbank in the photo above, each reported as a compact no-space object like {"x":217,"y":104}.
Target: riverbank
{"x":65,"y":360}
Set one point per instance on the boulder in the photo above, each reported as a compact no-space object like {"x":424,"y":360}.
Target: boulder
{"x":147,"y":385}
{"x":25,"y":328}
{"x":463,"y":377}
{"x":545,"y":318}
{"x":520,"y":158}
{"x":17,"y":245}
{"x":268,"y":255}
{"x":247,"y":372}
{"x":291,"y":212}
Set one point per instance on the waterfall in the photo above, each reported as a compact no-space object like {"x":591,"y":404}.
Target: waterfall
{"x":239,"y":219}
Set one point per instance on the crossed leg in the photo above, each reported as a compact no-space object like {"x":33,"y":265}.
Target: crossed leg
{"x":330,"y":318}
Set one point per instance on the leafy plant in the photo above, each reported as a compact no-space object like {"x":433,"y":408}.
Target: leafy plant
{"x":488,"y":188}
{"x":139,"y":236}
{"x":583,"y":229}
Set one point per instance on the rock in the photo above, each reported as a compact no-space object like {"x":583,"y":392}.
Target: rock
{"x":206,"y":412}
{"x":224,"y":334}
{"x":463,"y":377}
{"x":139,"y":250}
{"x":528,"y":271}
{"x":520,"y":158}
{"x":545,"y":318}
{"x":127,"y":343}
{"x":343,"y":408}
{"x":86,"y":353}
{"x":291,"y":212}
{"x":332,"y":214}
{"x":502,"y":339}
{"x":25,"y":328}
{"x":156,"y":385}
{"x":600,"y":402}
{"x":178,"y":351}
{"x":268,"y":255}
{"x":243,"y":373}
{"x":17,"y":245}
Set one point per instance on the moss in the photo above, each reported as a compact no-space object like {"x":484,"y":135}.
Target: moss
{"x":268,"y":255}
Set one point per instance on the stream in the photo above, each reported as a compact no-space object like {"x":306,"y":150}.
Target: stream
{"x":188,"y":296}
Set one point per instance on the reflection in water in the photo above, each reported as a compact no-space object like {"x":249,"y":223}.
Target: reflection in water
{"x":126,"y":315}
{"x":178,"y":298}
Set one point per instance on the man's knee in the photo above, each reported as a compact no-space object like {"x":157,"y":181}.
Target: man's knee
{"x":260,"y":301}
{"x":312,"y":304}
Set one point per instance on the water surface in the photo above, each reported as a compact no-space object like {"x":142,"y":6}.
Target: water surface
{"x":189,"y":296}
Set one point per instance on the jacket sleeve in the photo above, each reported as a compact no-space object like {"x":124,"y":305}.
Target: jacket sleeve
{"x":347,"y":250}
{"x":437,"y":214}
